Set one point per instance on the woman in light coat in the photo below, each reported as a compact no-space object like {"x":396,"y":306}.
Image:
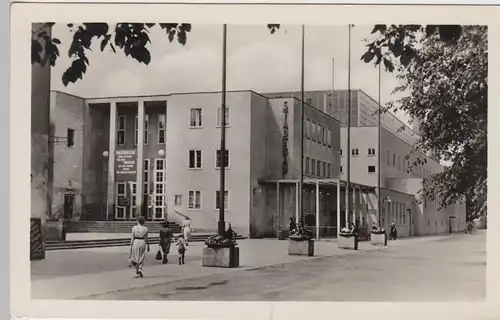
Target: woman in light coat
{"x":187,"y":229}
{"x":139,"y":244}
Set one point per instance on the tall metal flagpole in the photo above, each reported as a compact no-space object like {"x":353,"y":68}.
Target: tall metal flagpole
{"x":348,"y":209}
{"x":379,"y":144}
{"x":301,"y":184}
{"x":221,"y":225}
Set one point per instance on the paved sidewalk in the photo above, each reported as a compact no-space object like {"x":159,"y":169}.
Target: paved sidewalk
{"x":254,"y":254}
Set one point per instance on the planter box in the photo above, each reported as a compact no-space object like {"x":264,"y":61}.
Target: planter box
{"x":282,"y":234}
{"x":348,"y":242}
{"x":221,"y":256}
{"x":301,"y":247}
{"x":379,"y":239}
{"x":54,"y":231}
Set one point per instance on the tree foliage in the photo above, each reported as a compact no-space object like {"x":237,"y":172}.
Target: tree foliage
{"x":131,"y":38}
{"x":447,"y":87}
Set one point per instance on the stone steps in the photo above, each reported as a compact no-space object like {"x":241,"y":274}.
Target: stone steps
{"x":113,"y":226}
{"x":102,"y":243}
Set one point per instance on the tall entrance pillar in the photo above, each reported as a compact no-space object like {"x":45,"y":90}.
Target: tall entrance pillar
{"x":110,"y":197}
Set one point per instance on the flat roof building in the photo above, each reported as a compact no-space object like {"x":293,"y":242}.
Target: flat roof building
{"x":158,"y":156}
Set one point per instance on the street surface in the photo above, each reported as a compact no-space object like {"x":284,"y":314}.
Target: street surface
{"x":447,"y":268}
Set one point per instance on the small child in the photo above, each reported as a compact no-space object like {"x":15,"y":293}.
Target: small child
{"x":181,"y":248}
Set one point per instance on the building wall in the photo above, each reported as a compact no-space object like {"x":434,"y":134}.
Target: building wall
{"x":362,"y":139}
{"x":266,"y":140}
{"x":95,"y":165}
{"x":181,"y":138}
{"x":40,"y":128}
{"x":67,"y":112}
{"x":402,"y":210}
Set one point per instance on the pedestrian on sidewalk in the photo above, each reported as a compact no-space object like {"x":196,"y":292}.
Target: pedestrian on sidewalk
{"x":187,"y":229}
{"x":166,"y":236}
{"x":394,"y":232}
{"x":138,"y":245}
{"x":181,"y":249}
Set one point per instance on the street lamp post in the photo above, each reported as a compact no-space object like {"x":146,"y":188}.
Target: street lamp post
{"x":301,"y":184}
{"x":105,"y":155}
{"x":221,"y":225}
{"x":348,"y":182}
{"x":379,"y":141}
{"x":383,"y":200}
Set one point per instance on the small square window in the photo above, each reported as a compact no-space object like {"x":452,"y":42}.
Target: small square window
{"x":178,"y":199}
{"x":355,"y":152}
{"x":371,"y":169}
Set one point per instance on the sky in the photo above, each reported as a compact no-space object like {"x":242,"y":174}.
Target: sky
{"x":256,"y":60}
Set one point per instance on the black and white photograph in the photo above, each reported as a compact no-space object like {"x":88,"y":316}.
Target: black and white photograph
{"x":258,"y":162}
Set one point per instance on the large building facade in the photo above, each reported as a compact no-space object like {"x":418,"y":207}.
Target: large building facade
{"x":158,"y":156}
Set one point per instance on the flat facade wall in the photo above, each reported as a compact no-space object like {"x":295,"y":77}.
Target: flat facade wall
{"x":67,"y":113}
{"x":181,"y":138}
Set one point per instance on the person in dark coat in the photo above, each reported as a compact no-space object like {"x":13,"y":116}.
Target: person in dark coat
{"x":292,"y":225}
{"x":394,"y":232}
{"x":166,"y":236}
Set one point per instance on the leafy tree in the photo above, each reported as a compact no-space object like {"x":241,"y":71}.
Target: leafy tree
{"x":131,"y":38}
{"x":447,"y":86}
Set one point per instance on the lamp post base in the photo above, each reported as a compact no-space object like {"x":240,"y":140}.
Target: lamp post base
{"x":221,"y":228}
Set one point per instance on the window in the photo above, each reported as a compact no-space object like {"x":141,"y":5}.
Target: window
{"x":324,"y":136}
{"x":196,"y":116}
{"x":388,"y":158}
{"x":307,"y":128}
{"x":219,"y":117}
{"x":371,"y":151}
{"x":136,"y":134}
{"x":120,"y":189}
{"x":318,"y":168}
{"x":309,"y":101}
{"x":178,"y":199}
{"x":194,"y":201}
{"x":399,"y":162}
{"x":320,"y":134}
{"x":194,"y":159}
{"x":428,"y":222}
{"x":393,"y":159}
{"x":341,"y":169}
{"x":313,"y":133}
{"x":355,"y":152}
{"x":218,"y":159}
{"x":329,"y":173}
{"x":341,"y":153}
{"x":70,"y":138}
{"x":146,"y":176}
{"x":329,"y":137}
{"x":120,"y":136}
{"x":324,"y":170}
{"x":161,"y":128}
{"x":371,"y":169}
{"x":313,"y":167}
{"x":226,"y":200}
{"x":307,"y":165}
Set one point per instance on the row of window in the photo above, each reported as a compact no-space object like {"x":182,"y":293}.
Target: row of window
{"x":122,"y":128}
{"x":355,"y":152}
{"x":317,"y":133}
{"x":196,"y":117}
{"x":196,"y":159}
{"x":318,"y":168}
{"x":396,"y":213}
{"x":371,"y":169}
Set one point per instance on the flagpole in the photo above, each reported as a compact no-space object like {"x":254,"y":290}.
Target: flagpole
{"x":301,"y":183}
{"x":348,"y":209}
{"x":379,"y":144}
{"x":221,"y":225}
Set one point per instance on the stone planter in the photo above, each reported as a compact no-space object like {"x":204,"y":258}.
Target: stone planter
{"x":348,"y":242}
{"x":222,"y":256}
{"x":378,"y":239}
{"x":301,"y":247}
{"x":282,"y":234}
{"x":54,"y":231}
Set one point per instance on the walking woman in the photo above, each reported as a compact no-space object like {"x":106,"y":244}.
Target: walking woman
{"x":138,"y":246}
{"x":187,"y":229}
{"x":165,"y":240}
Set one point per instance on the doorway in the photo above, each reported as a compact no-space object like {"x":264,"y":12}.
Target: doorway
{"x":68,"y":205}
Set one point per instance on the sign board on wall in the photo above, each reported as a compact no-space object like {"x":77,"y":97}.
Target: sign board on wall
{"x":126,"y":162}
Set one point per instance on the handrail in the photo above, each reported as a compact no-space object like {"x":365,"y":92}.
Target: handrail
{"x":181,"y":214}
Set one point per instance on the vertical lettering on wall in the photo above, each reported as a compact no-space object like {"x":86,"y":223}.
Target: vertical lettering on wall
{"x":285,"y":140}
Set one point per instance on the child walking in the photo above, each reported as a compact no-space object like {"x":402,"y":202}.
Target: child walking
{"x":181,"y":248}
